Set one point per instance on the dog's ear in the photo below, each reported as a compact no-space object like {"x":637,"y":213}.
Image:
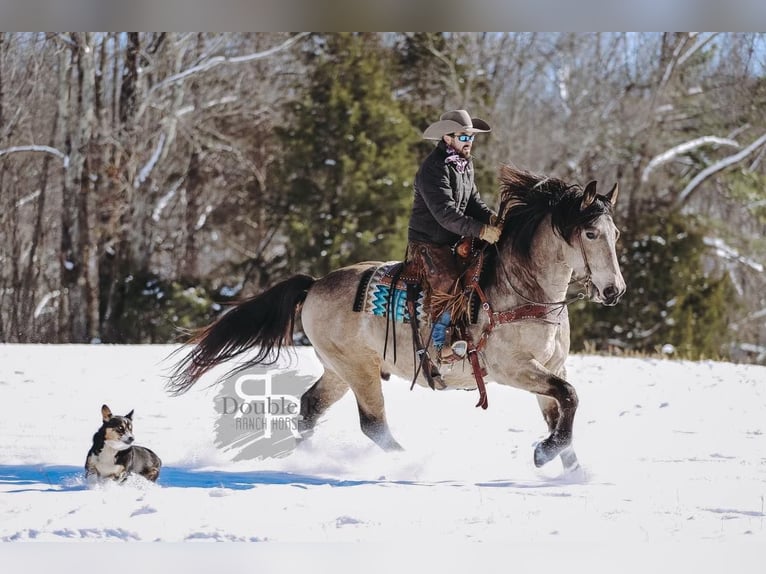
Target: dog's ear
{"x":129,"y":415}
{"x":106,"y":413}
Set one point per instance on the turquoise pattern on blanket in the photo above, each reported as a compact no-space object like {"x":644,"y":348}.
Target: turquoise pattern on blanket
{"x":377,"y":296}
{"x":380,"y":296}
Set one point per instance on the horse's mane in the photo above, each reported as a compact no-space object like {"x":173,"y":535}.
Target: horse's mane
{"x":527,"y":198}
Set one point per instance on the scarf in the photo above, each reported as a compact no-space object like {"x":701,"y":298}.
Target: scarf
{"x":454,"y":158}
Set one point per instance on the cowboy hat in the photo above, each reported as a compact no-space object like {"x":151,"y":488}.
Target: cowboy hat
{"x":455,"y":121}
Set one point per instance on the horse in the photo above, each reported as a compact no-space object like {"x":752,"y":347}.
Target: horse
{"x":552,"y":234}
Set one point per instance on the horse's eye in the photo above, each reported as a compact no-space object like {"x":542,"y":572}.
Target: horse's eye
{"x":591,"y":234}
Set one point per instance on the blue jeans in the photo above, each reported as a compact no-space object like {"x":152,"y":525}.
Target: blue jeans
{"x":439,"y":331}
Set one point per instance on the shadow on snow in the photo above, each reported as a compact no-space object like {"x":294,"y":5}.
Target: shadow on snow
{"x":71,"y":478}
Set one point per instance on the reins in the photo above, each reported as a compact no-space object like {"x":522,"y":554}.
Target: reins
{"x":547,"y":311}
{"x":532,"y":309}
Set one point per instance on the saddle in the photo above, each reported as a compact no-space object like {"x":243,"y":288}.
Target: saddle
{"x":400,"y":292}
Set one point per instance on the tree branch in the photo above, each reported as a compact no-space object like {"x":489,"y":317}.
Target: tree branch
{"x":716,"y":167}
{"x":685,"y":147}
{"x":219,"y":60}
{"x":38,"y":148}
{"x":699,"y":44}
{"x":149,"y":166}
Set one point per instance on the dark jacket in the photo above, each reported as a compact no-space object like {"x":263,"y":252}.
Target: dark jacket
{"x":447,"y":205}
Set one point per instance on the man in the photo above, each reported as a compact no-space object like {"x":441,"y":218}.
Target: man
{"x":447,"y":206}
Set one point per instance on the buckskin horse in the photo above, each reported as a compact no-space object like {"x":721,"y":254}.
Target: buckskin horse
{"x":552,"y":234}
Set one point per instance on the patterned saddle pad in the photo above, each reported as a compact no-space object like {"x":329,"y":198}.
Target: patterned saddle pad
{"x":378,"y":294}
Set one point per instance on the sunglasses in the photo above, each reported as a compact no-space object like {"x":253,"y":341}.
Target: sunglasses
{"x":464,"y":138}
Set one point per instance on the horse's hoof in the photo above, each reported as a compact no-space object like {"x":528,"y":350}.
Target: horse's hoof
{"x":438,"y":380}
{"x":569,"y":460}
{"x":305,"y":430}
{"x":389,"y":444}
{"x":549,"y":449}
{"x":541,"y":456}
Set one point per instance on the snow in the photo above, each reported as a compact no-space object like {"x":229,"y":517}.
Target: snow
{"x":673,"y":453}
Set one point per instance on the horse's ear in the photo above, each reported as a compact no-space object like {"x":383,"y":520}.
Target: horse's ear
{"x":588,"y":196}
{"x":612,"y":195}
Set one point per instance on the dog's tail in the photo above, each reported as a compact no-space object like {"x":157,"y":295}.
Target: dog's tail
{"x":265,"y":321}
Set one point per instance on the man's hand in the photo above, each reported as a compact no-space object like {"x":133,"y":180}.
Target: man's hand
{"x":490,"y":234}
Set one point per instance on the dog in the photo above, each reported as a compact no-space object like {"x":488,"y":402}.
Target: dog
{"x":113,"y":454}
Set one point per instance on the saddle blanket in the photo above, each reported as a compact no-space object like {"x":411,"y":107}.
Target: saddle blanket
{"x":378,"y":295}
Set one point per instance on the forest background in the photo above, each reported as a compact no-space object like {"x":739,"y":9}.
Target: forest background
{"x":146,"y":179}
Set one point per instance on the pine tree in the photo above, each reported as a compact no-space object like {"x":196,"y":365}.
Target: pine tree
{"x":348,"y":165}
{"x":671,"y":297}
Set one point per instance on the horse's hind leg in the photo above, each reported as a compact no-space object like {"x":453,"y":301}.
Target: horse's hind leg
{"x":550,"y":410}
{"x":328,"y":390}
{"x":369,"y":398}
{"x":364,"y":378}
{"x":374,"y":425}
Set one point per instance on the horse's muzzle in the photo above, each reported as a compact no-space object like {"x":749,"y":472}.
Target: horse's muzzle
{"x":610,"y":296}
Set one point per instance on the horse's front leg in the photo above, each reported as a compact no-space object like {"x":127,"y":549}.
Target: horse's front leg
{"x":563,"y":395}
{"x":558,"y":401}
{"x":550,"y":410}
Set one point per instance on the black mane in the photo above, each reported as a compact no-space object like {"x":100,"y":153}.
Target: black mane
{"x":527,"y":199}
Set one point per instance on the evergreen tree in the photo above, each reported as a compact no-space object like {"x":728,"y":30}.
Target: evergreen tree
{"x":671,"y":298}
{"x":348,"y":164}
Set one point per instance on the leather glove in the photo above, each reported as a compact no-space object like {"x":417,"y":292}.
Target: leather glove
{"x":490,"y":234}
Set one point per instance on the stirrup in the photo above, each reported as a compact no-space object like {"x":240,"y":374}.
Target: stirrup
{"x":455,"y":352}
{"x":460,"y":348}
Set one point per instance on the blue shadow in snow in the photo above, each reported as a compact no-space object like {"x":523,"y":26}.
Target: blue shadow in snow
{"x":29,"y":478}
{"x":71,"y":478}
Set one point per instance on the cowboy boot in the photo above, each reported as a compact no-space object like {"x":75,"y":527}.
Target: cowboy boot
{"x":424,"y":362}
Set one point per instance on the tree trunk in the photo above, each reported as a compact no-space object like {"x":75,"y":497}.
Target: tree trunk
{"x":3,"y":334}
{"x":193,"y":189}
{"x":87,"y":200}
{"x":68,"y":211}
{"x":194,"y":186}
{"x":79,"y":276}
{"x":129,"y":80}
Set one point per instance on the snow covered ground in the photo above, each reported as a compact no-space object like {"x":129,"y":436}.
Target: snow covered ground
{"x":673,"y":453}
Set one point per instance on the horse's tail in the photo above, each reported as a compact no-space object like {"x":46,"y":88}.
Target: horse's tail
{"x":265,"y":321}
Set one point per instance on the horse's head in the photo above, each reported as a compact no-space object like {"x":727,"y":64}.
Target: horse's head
{"x":595,"y":242}
{"x":580,"y":217}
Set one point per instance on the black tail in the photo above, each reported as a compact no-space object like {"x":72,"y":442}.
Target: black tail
{"x":265,"y":320}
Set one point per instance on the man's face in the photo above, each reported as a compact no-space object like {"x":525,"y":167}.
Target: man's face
{"x":463,"y":147}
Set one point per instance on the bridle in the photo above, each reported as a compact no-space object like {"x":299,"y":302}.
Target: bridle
{"x":545,"y":311}
{"x":586,"y":280}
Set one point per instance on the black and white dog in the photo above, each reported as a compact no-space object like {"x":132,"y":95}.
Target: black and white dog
{"x":113,"y":455}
